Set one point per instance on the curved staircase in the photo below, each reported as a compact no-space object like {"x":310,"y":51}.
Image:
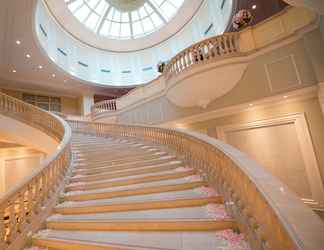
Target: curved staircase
{"x":127,"y":194}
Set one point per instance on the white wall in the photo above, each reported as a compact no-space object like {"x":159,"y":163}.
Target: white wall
{"x":18,"y":132}
{"x":209,"y":12}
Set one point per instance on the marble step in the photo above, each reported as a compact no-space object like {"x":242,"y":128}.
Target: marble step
{"x":171,"y":179}
{"x":124,"y":181}
{"x":120,"y":154}
{"x":135,"y":164}
{"x":124,"y":173}
{"x":143,"y":225}
{"x":105,"y":207}
{"x":81,"y":162}
{"x":207,"y":212}
{"x":134,"y":192}
{"x":76,"y":240}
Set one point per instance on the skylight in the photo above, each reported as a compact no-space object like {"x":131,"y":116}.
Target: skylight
{"x":125,"y":19}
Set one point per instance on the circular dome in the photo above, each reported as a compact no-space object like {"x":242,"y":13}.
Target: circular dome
{"x":124,"y":19}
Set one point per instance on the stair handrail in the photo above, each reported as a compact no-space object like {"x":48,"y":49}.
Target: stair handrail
{"x":271,"y":216}
{"x":26,"y":205}
{"x":207,"y":50}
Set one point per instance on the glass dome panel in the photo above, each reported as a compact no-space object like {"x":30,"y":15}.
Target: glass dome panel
{"x":126,"y":19}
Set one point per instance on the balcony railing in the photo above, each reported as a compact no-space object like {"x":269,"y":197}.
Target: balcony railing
{"x":104,"y":106}
{"x":26,"y":205}
{"x":272,"y":217}
{"x":209,"y":50}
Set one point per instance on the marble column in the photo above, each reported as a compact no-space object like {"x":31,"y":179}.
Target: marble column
{"x":86,"y":103}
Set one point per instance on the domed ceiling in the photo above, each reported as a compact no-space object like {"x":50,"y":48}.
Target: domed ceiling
{"x":124,"y":19}
{"x":123,"y":25}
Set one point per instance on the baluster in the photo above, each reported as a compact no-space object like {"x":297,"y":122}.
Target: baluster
{"x":22,"y":211}
{"x":230,"y":43}
{"x":226,"y":47}
{"x":44,"y":189}
{"x":30,"y":208}
{"x":12,"y":221}
{"x":2,"y":228}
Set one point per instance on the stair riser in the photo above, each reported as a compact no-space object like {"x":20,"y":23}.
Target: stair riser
{"x":109,"y":162}
{"x":129,"y":182}
{"x":65,"y":245}
{"x":143,"y":226}
{"x":114,"y":156}
{"x":139,"y":206}
{"x":151,"y":190}
{"x":126,"y":173}
{"x":116,"y":151}
{"x":122,"y":167}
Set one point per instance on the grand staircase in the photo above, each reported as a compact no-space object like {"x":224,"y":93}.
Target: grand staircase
{"x":126,"y":194}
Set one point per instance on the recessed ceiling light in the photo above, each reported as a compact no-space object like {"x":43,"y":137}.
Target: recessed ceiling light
{"x":18,"y":42}
{"x":65,"y":80}
{"x":285,"y":96}
{"x":28,"y":56}
{"x":53,"y":75}
{"x":40,"y":66}
{"x":254,"y":6}
{"x":250,"y":104}
{"x":14,"y":71}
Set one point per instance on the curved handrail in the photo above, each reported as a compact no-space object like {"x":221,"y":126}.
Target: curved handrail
{"x":269,"y":214}
{"x":21,"y":206}
{"x":208,"y":50}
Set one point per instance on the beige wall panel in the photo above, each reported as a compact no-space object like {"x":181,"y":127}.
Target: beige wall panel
{"x":310,"y":107}
{"x":283,"y":73}
{"x":277,"y":149}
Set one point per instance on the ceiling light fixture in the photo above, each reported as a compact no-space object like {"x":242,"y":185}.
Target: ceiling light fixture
{"x":18,"y":42}
{"x":254,"y":7}
{"x":28,"y":56}
{"x":53,"y":75}
{"x":14,"y":71}
{"x":250,"y":104}
{"x":285,"y":97}
{"x":40,"y":66}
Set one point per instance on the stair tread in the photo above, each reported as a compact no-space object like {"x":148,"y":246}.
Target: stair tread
{"x":210,"y":211}
{"x":134,"y":164}
{"x":128,"y":172}
{"x":186,"y":194}
{"x":181,"y":180}
{"x":222,"y":240}
{"x":124,"y":178}
{"x":118,"y":169}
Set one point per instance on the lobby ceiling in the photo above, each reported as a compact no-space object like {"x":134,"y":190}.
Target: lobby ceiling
{"x":24,"y":66}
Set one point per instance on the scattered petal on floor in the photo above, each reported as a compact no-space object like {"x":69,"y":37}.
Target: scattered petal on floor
{"x":217,"y":211}
{"x":232,"y":241}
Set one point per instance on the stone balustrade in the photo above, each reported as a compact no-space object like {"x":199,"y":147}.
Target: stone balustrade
{"x":271,"y":216}
{"x":104,"y":106}
{"x":26,"y":205}
{"x":211,"y":49}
